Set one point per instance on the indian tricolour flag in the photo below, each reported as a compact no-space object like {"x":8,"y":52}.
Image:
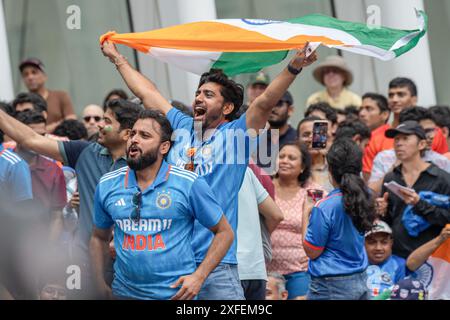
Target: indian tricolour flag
{"x":439,"y":261}
{"x":248,"y":45}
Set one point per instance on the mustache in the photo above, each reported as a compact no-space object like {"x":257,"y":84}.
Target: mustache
{"x":134,"y":145}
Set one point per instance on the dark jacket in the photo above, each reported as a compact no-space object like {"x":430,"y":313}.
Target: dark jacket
{"x":432,"y":179}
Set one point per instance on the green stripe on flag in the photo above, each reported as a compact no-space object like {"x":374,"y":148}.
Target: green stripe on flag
{"x":233,"y":63}
{"x":414,"y":41}
{"x":383,"y":38}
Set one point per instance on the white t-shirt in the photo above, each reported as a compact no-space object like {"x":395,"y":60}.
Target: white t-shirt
{"x":250,"y":254}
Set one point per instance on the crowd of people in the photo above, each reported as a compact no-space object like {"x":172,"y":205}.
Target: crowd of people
{"x":226,"y":199}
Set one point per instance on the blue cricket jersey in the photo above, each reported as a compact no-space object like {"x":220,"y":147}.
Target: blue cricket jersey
{"x":331,"y":229}
{"x":15,"y":177}
{"x":155,"y":251}
{"x":222,"y":160}
{"x":383,"y":276}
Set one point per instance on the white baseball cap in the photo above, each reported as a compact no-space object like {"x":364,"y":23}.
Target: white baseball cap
{"x":379,"y":226}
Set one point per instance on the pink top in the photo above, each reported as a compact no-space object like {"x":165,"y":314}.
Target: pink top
{"x":288,"y":255}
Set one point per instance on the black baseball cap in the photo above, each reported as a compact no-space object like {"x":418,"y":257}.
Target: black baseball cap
{"x":35,"y":62}
{"x":287,"y":97}
{"x":408,"y":127}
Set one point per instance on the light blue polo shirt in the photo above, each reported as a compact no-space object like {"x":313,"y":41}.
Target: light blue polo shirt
{"x":154,"y":252}
{"x":331,"y":229}
{"x":222,"y":160}
{"x":15,"y":177}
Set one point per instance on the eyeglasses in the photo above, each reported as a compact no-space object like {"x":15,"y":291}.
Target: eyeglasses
{"x":96,"y":118}
{"x":137,"y":202}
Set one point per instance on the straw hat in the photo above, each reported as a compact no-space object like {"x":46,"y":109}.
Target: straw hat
{"x":336,"y":62}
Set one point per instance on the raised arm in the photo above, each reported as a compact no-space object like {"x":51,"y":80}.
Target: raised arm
{"x":259,"y":111}
{"x":26,"y":137}
{"x":141,"y":87}
{"x":419,"y":256}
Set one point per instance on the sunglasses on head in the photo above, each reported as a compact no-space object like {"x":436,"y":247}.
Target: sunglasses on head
{"x":137,"y":202}
{"x":96,"y":118}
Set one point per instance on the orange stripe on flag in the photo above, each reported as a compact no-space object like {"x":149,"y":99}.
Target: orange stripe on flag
{"x":443,"y":252}
{"x":211,"y":36}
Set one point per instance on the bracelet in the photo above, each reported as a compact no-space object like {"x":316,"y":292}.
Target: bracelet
{"x":294,"y":71}
{"x":118,"y":63}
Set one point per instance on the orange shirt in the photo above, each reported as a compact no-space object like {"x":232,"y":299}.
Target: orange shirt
{"x":377,"y":143}
{"x":439,"y":142}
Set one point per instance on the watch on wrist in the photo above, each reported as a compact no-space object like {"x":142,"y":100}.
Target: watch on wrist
{"x":294,"y":71}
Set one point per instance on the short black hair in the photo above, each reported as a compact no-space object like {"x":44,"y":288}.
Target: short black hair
{"x":72,"y":129}
{"x":330,"y":112}
{"x":39,"y":103}
{"x":243,"y":109}
{"x":126,"y":112}
{"x":307,"y":119}
{"x":350,"y":128}
{"x":404,"y":83}
{"x":31,"y":117}
{"x":351,"y":112}
{"x":116,"y":92}
{"x":161,"y":119}
{"x":380,"y":100}
{"x":8,"y":108}
{"x":440,"y":115}
{"x":414,"y":114}
{"x":231,"y":91}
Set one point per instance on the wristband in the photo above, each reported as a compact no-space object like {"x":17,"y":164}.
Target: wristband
{"x":294,"y":71}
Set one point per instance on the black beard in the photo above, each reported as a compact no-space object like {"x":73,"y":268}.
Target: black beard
{"x":278,"y":123}
{"x":144,"y":161}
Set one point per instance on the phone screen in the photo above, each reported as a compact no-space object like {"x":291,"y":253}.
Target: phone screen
{"x":320,"y":134}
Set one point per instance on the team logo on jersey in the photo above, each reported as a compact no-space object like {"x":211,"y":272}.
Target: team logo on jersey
{"x":163,"y":200}
{"x":207,"y":151}
{"x":190,"y":152}
{"x":385,"y":277}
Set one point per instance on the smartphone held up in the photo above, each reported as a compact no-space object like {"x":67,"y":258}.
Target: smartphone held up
{"x":320,"y":134}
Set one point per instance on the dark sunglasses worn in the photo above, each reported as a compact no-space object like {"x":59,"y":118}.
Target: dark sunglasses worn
{"x":96,"y":118}
{"x":137,"y":203}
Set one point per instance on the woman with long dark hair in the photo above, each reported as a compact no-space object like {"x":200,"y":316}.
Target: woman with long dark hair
{"x":334,"y":239}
